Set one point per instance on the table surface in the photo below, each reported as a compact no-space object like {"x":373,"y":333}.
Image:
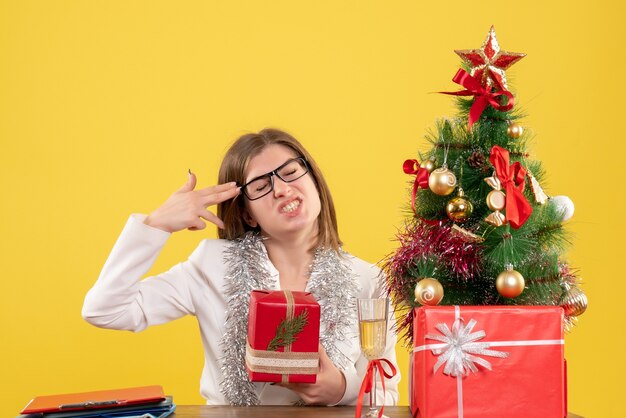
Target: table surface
{"x":201,"y":411}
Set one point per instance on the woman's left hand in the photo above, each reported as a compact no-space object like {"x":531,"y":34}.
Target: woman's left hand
{"x":329,"y":387}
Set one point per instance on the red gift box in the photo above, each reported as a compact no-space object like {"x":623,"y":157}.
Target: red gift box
{"x":454,"y":347}
{"x":283,"y":337}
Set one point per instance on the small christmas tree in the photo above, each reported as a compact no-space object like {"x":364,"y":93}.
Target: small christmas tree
{"x":481,"y":227}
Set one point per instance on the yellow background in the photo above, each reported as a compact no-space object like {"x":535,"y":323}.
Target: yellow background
{"x":105,"y":105}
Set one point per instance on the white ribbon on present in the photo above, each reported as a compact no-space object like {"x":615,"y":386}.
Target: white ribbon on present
{"x":459,"y":348}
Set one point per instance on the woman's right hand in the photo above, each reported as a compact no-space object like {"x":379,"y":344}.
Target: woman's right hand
{"x":187,"y":208}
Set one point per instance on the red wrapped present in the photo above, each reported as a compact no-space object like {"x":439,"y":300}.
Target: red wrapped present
{"x":488,"y":362}
{"x":283,"y":337}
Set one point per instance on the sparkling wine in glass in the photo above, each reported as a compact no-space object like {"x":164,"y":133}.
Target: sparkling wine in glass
{"x":373,"y":337}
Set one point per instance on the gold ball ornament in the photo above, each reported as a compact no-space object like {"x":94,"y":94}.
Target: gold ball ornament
{"x":428,"y":292}
{"x":429,"y":165}
{"x":574,"y":303}
{"x":510,"y":283}
{"x":514,"y":130}
{"x":459,"y":208}
{"x":442,"y":181}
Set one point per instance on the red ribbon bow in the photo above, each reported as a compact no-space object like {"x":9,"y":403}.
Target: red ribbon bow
{"x":483,"y":96}
{"x":512,"y":178}
{"x":368,"y":385}
{"x":421,"y":177}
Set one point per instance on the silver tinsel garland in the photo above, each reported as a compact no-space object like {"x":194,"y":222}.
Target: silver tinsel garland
{"x":332,"y":283}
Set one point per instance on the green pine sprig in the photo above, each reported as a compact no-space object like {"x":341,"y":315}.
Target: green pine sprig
{"x":288,"y":331}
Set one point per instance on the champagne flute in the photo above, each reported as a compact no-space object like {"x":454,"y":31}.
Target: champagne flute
{"x":373,"y":337}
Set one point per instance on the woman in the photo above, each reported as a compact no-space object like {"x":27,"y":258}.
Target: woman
{"x":278,"y":230}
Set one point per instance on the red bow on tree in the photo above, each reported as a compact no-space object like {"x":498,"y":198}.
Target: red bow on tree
{"x":421,"y":177}
{"x":369,"y":386}
{"x":512,"y":178}
{"x":483,"y":96}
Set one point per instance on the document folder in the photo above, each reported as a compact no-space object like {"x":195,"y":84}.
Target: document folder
{"x":113,"y":398}
{"x":150,"y":410}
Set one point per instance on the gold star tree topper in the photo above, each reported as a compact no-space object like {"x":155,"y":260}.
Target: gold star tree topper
{"x":489,"y":62}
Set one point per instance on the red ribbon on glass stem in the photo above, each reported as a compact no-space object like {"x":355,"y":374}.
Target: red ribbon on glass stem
{"x":483,"y":96}
{"x":368,"y":386}
{"x":513,"y":179}
{"x":421,"y":177}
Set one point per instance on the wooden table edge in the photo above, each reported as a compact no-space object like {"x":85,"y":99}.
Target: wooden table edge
{"x":199,"y":411}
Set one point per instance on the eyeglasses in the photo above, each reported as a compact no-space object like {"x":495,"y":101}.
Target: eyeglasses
{"x":290,"y":171}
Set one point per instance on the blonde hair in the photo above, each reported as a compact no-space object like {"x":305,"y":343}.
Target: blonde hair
{"x":234,"y":167}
